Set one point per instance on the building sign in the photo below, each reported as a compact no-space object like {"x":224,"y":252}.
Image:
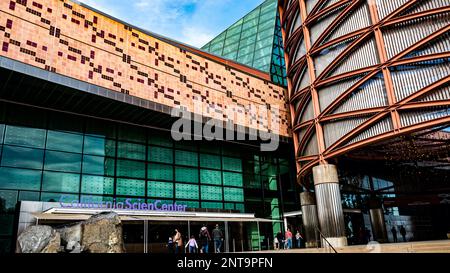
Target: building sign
{"x":128,"y":204}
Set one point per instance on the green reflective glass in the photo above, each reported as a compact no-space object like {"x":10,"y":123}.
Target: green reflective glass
{"x":240,"y":207}
{"x":232,"y":164}
{"x":186,"y":174}
{"x":233,"y":194}
{"x":161,"y":155}
{"x":160,"y":189}
{"x":186,"y":158}
{"x":160,"y":172}
{"x":61,"y":161}
{"x":212,"y":205}
{"x":189,"y":204}
{"x":20,"y":179}
{"x":186,"y":191}
{"x":56,"y":197}
{"x":64,"y":142}
{"x":128,"y":168}
{"x":210,"y":161}
{"x":130,"y":187}
{"x":210,"y":177}
{"x":93,"y":184}
{"x":233,"y":179}
{"x":9,"y":200}
{"x":2,"y":132}
{"x":99,"y":146}
{"x":29,"y":195}
{"x":211,"y":193}
{"x":22,"y":157}
{"x":98,"y":165}
{"x":130,"y":150}
{"x":61,"y":182}
{"x":23,"y":136}
{"x":229,"y":206}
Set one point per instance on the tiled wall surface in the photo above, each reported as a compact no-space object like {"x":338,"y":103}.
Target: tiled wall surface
{"x":66,"y":38}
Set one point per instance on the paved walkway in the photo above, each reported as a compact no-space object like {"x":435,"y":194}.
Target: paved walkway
{"x":410,"y":247}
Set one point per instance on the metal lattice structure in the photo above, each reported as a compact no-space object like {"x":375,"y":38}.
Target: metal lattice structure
{"x":364,"y":71}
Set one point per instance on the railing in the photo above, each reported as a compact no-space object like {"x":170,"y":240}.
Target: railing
{"x":325,"y":239}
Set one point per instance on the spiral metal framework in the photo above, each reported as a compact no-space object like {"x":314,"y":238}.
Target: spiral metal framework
{"x":363,"y":71}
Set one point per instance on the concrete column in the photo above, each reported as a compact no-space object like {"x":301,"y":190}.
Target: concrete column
{"x":329,"y":205}
{"x":309,"y":217}
{"x":377,"y":221}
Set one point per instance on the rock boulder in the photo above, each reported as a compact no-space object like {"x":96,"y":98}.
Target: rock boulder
{"x":102,"y":233}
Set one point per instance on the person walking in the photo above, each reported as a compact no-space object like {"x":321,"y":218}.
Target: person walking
{"x":299,"y":239}
{"x":403,"y":233}
{"x":288,"y":237}
{"x":192,"y":245}
{"x":204,"y":239}
{"x":218,"y":238}
{"x":178,"y":241}
{"x":394,"y":234}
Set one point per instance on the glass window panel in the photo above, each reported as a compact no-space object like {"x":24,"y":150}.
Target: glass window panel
{"x":29,"y":195}
{"x":130,"y":150}
{"x":2,"y":132}
{"x":189,"y":204}
{"x":186,"y":191}
{"x":234,"y":31}
{"x":252,"y":181}
{"x":160,"y":189}
{"x":22,"y":157}
{"x":159,"y":154}
{"x":160,"y":140}
{"x":266,"y":25}
{"x":246,"y":50}
{"x":186,"y":174}
{"x":250,"y":24}
{"x":232,"y":164}
{"x":231,"y":55}
{"x":186,"y":158}
{"x":61,"y":182}
{"x":210,"y":177}
{"x":233,"y":194}
{"x":23,"y":136}
{"x":127,"y":168}
{"x":130,"y":187}
{"x":229,"y":206}
{"x":247,"y":59}
{"x":8,"y":200}
{"x":20,"y":179}
{"x":211,"y":193}
{"x":212,"y":205}
{"x":99,"y":146}
{"x":240,"y":207}
{"x":97,"y":184}
{"x":232,"y":48}
{"x":98,"y":165}
{"x":96,"y":199}
{"x":61,"y":161}
{"x":64,"y":142}
{"x":160,"y":172}
{"x":186,"y":145}
{"x":55,"y":197}
{"x":232,"y":179}
{"x":249,"y":34}
{"x":211,"y":148}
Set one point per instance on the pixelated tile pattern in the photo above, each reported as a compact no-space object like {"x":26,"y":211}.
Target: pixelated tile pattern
{"x":65,"y":38}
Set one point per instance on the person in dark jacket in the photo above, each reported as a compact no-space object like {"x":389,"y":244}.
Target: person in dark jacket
{"x":403,"y":233}
{"x":218,"y":238}
{"x":394,"y":234}
{"x":280,"y":239}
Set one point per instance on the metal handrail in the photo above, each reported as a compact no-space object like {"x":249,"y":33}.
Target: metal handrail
{"x":325,"y":238}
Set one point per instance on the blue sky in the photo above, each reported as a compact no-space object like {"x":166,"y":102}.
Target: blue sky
{"x":193,"y":22}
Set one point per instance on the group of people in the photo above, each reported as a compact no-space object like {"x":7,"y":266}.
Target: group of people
{"x":175,"y":243}
{"x":286,"y":241}
{"x":402,"y":232}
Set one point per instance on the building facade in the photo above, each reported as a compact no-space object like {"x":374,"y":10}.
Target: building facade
{"x":369,"y":95}
{"x":85,"y":111}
